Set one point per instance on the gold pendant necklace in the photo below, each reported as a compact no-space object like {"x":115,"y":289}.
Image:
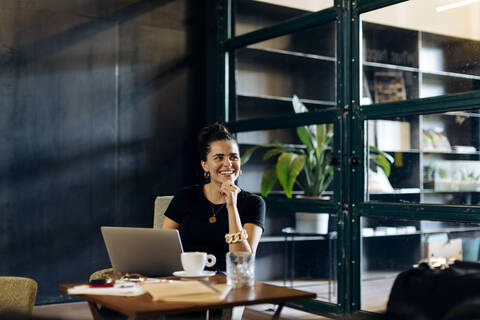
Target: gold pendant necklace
{"x":213,"y":219}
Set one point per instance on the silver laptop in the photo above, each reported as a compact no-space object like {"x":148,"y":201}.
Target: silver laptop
{"x":147,"y":251}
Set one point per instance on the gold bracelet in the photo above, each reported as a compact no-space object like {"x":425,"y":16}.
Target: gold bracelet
{"x":236,"y":237}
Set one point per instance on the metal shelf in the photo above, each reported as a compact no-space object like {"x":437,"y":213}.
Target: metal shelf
{"x":292,"y":53}
{"x":287,"y":99}
{"x":268,"y":239}
{"x":390,"y":66}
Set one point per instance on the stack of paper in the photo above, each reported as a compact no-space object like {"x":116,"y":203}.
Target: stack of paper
{"x":187,"y":291}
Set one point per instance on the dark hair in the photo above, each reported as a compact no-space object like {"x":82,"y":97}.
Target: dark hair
{"x":209,"y":134}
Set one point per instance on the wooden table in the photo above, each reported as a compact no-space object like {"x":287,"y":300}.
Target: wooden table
{"x":143,"y":306}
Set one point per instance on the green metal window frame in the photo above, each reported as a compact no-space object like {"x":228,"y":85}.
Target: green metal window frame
{"x":348,"y":117}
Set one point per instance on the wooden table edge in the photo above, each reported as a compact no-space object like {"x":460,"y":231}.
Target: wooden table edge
{"x":193,"y":308}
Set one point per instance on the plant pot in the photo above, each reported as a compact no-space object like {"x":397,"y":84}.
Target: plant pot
{"x":307,"y":222}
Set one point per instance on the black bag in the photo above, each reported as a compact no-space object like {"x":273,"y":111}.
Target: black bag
{"x":433,"y":294}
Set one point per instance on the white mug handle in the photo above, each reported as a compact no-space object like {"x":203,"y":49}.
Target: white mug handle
{"x":211,"y":260}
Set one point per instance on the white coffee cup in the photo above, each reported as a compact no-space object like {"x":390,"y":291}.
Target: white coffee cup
{"x":195,"y":262}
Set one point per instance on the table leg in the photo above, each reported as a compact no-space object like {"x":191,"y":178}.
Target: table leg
{"x":334,"y":267}
{"x":94,"y":310}
{"x":292,"y":261}
{"x":330,"y":268}
{"x":101,"y":313}
{"x":276,"y":315}
{"x":285,"y":260}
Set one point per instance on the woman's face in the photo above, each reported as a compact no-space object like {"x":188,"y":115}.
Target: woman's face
{"x":223,"y":161}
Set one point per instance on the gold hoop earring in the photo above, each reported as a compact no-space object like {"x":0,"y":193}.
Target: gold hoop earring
{"x":206,"y":174}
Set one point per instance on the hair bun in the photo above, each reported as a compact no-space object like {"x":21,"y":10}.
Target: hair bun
{"x":216,"y":127}
{"x":209,"y":134}
{"x":211,"y":131}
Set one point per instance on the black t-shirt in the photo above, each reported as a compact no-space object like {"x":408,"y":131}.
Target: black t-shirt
{"x":192,"y":210}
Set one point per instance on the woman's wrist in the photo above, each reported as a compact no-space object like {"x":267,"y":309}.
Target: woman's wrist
{"x":231,"y":205}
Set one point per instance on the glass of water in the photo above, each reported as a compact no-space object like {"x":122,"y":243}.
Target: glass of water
{"x":240,"y":269}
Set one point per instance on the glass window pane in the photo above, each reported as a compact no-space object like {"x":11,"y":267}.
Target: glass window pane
{"x":299,"y":250}
{"x":281,"y":153}
{"x":253,"y":15}
{"x":413,"y":241}
{"x":408,"y":51}
{"x":431,"y":158}
{"x":269,"y":73}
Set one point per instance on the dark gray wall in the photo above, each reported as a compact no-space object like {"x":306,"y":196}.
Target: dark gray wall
{"x":100,"y":103}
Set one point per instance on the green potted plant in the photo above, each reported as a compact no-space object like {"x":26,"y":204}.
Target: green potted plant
{"x":308,"y":167}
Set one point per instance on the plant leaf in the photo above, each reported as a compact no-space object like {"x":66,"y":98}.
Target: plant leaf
{"x":248,"y":154}
{"x":289,"y":165}
{"x":373,"y":164}
{"x":272,"y":152}
{"x":321,"y":134}
{"x":375,"y":150}
{"x":298,"y":106}
{"x":305,"y":137}
{"x":268,"y":181}
{"x":380,"y":159}
{"x":324,"y":137}
{"x":384,"y":164}
{"x":327,"y":182}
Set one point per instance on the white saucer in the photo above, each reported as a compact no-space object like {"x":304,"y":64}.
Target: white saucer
{"x":184,"y":274}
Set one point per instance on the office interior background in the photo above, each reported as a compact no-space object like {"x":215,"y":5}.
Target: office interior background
{"x":101,"y":102}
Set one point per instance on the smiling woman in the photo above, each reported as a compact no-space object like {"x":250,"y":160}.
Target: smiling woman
{"x":217,"y":217}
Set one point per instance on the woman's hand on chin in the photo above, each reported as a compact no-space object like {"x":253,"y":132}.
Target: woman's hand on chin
{"x":230,"y":191}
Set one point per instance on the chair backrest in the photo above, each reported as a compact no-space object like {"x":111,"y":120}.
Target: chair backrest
{"x":17,"y":296}
{"x":161,"y":205}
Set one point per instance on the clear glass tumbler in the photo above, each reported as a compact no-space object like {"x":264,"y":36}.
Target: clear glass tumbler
{"x":240,"y":269}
